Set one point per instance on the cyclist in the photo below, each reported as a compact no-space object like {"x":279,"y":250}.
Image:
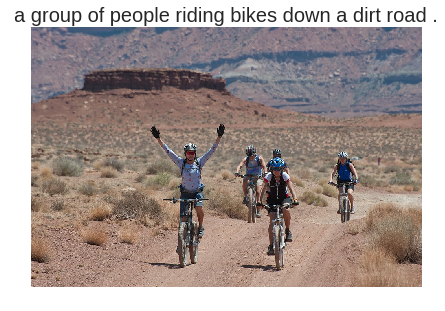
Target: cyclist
{"x":345,"y":171}
{"x":255,"y":165}
{"x":191,"y":186}
{"x":277,"y":153}
{"x":279,"y":183}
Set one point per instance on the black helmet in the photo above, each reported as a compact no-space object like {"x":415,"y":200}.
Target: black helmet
{"x":276,"y":152}
{"x":250,"y":150}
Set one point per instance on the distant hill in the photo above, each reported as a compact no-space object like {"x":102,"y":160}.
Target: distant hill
{"x":339,"y":72}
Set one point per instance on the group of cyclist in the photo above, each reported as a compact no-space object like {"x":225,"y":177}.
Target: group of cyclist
{"x":271,"y":177}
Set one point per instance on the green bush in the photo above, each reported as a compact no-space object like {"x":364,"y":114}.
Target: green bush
{"x":114,"y":163}
{"x":311,"y":198}
{"x":66,"y":166}
{"x":163,"y":166}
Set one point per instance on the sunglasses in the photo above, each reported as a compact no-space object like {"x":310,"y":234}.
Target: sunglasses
{"x":190,"y":152}
{"x":276,"y":169}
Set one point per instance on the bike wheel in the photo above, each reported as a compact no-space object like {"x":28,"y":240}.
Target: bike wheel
{"x":279,"y":260}
{"x":348,"y":210}
{"x":194,"y":243}
{"x":182,"y":244}
{"x":250,"y":214}
{"x":343,"y":210}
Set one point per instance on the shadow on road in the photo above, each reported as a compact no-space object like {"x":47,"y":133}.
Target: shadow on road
{"x":264,"y":268}
{"x":168,"y":265}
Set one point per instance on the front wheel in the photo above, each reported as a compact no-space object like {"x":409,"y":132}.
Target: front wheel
{"x":194,"y":243}
{"x":343,"y":210}
{"x":182,"y":244}
{"x":348,"y":210}
{"x":250,"y":206}
{"x":279,"y":252}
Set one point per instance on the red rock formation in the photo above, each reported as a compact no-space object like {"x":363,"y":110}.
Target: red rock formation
{"x":151,"y":79}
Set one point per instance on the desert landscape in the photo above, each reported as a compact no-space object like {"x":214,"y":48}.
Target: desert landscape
{"x":98,"y":178}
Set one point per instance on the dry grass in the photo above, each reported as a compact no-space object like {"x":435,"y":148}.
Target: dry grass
{"x":108,"y":172}
{"x":380,"y":270}
{"x":222,"y":201}
{"x":39,"y":250}
{"x":311,"y":198}
{"x":396,"y":230}
{"x":46,"y":172}
{"x":94,"y":236}
{"x":53,"y":186}
{"x":129,"y":234}
{"x":100,"y":211}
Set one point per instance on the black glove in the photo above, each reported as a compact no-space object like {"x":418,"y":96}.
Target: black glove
{"x":155,"y":132}
{"x":220,"y":130}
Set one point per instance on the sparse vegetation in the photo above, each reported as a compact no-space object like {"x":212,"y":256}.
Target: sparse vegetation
{"x":311,"y":198}
{"x":39,"y":250}
{"x":66,"y":166}
{"x":397,"y":231}
{"x":54,"y":186}
{"x":94,"y":236}
{"x":222,"y":201}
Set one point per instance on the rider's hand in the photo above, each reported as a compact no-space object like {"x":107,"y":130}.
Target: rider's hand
{"x":220,"y":130}
{"x":295,"y":202}
{"x":330,"y":182}
{"x":156,"y":133}
{"x":236,"y":174}
{"x":259,"y":204}
{"x":356,"y":181}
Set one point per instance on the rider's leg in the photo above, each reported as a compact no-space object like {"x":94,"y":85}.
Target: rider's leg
{"x":339,"y":203}
{"x":245,"y":187}
{"x":272,"y":216}
{"x":200,"y":214}
{"x":259,"y":185}
{"x":287,"y":217}
{"x":351,"y":199}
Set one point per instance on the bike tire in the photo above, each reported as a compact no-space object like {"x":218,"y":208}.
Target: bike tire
{"x":278,"y":250}
{"x":348,"y":210}
{"x":182,"y":244}
{"x":343,"y":210}
{"x":194,"y":243}
{"x":250,"y":214}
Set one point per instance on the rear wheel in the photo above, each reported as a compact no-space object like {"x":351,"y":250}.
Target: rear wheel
{"x":278,"y":250}
{"x":194,"y":243}
{"x":182,"y":244}
{"x":250,"y":202}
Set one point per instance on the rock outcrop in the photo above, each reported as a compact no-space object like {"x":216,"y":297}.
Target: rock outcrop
{"x":151,"y":79}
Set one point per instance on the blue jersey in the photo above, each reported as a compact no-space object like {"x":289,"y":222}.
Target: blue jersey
{"x":344,"y":173}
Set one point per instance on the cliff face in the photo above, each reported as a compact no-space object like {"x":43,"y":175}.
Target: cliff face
{"x":151,"y":79}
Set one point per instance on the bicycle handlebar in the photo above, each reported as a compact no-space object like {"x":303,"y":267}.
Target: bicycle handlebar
{"x":346,"y":183}
{"x":247,"y":175}
{"x":174,"y":200}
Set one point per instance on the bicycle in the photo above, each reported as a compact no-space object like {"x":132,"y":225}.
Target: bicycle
{"x":188,"y":239}
{"x":345,"y":204}
{"x":278,"y":233}
{"x":252,"y":212}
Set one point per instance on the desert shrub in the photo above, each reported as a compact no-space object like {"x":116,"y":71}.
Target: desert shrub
{"x":401,"y":178}
{"x":129,"y":234}
{"x":88,"y":188}
{"x":304,"y":174}
{"x":311,"y":198}
{"x":66,"y":166}
{"x":34,"y":178}
{"x":370,"y":181}
{"x":36,"y":204}
{"x":53,"y":186}
{"x":100,"y":211}
{"x":297,"y":182}
{"x":94,"y":236}
{"x":222,"y":200}
{"x":114,"y":163}
{"x":57,"y":205}
{"x":46,"y":172}
{"x":39,"y":250}
{"x":227,"y":175}
{"x":398,"y":231}
{"x":330,"y":191}
{"x":140,"y":178}
{"x":108,"y":172}
{"x":163,"y":166}
{"x":134,"y":204}
{"x":160,"y":180}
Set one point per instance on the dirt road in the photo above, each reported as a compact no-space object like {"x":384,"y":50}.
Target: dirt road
{"x":231,"y":254}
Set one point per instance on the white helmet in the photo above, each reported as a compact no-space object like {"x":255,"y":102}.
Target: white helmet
{"x":343,"y":154}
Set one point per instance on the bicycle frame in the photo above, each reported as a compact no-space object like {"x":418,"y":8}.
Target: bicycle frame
{"x":278,"y":234}
{"x":251,"y":194}
{"x":345,"y":204}
{"x":187,"y":232}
